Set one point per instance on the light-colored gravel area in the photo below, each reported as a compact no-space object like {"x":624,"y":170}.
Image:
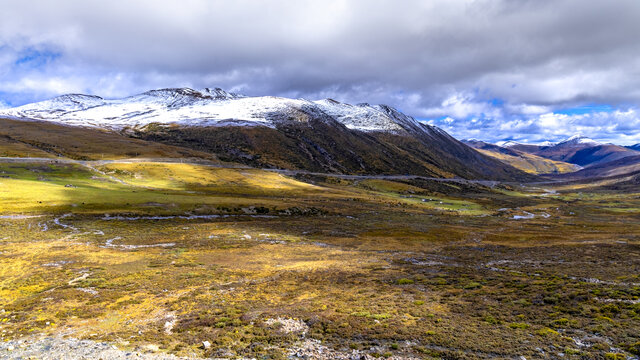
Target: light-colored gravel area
{"x":313,"y":349}
{"x":289,"y":326}
{"x":64,"y":348}
{"x":60,"y":348}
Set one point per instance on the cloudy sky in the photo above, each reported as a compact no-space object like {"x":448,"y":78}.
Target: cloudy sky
{"x":528,"y":70}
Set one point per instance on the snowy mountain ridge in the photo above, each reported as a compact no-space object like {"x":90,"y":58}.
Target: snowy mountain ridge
{"x":507,"y":143}
{"x":208,"y":107}
{"x":547,"y":143}
{"x":578,"y":140}
{"x":573,"y":141}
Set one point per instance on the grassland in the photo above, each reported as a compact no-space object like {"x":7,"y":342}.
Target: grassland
{"x":164,"y":256}
{"x":530,"y":163}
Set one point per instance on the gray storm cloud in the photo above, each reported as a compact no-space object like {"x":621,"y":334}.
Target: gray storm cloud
{"x":431,"y":59}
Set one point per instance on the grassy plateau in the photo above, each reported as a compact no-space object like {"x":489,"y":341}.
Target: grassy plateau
{"x":161,"y":257}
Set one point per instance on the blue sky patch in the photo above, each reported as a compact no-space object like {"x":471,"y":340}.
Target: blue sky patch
{"x":585,"y":109}
{"x":36,"y":58}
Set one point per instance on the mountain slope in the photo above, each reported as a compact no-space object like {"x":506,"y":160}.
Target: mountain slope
{"x":587,"y":155}
{"x":324,"y":135}
{"x":601,"y":154}
{"x":521,"y":160}
{"x":323,"y":145}
{"x":623,"y":166}
{"x":52,"y":140}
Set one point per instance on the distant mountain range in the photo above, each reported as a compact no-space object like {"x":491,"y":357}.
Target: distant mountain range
{"x":590,"y":158}
{"x":577,"y":150}
{"x":635,"y":147}
{"x":585,"y":152}
{"x":323,"y":136}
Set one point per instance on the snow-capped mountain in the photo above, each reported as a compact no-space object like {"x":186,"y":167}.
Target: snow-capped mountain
{"x":324,"y":135}
{"x":207,"y":107}
{"x":365,"y":117}
{"x":511,"y":143}
{"x":578,"y":140}
{"x":507,"y":143}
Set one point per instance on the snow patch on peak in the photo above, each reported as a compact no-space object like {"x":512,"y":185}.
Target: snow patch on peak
{"x":507,"y":143}
{"x":183,"y":96}
{"x":329,"y":101}
{"x":172,"y":92}
{"x":511,"y":143}
{"x":578,"y":140}
{"x":171,"y":98}
{"x":60,"y":104}
{"x":437,"y":130}
{"x":219,"y":94}
{"x":76,"y":98}
{"x":365,"y":117}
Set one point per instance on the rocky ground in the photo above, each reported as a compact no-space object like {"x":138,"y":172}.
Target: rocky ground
{"x":61,"y":348}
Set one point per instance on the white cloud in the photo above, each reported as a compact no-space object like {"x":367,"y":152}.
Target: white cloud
{"x":437,"y":59}
{"x":460,"y":106}
{"x":553,"y":122}
{"x":620,"y":126}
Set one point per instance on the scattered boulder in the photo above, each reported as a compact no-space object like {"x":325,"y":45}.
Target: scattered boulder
{"x":287,"y":326}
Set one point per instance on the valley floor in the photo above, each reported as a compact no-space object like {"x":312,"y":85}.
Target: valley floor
{"x":169,"y":260}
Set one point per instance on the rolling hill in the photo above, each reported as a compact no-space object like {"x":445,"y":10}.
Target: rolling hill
{"x":623,"y":166}
{"x":524,"y":161}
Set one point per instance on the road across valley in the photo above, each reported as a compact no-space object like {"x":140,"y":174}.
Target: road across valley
{"x":91,"y":164}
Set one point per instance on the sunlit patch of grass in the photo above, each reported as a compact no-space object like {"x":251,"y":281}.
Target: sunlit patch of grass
{"x":60,"y":188}
{"x":413,"y":195}
{"x":204,"y":178}
{"x":531,"y":163}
